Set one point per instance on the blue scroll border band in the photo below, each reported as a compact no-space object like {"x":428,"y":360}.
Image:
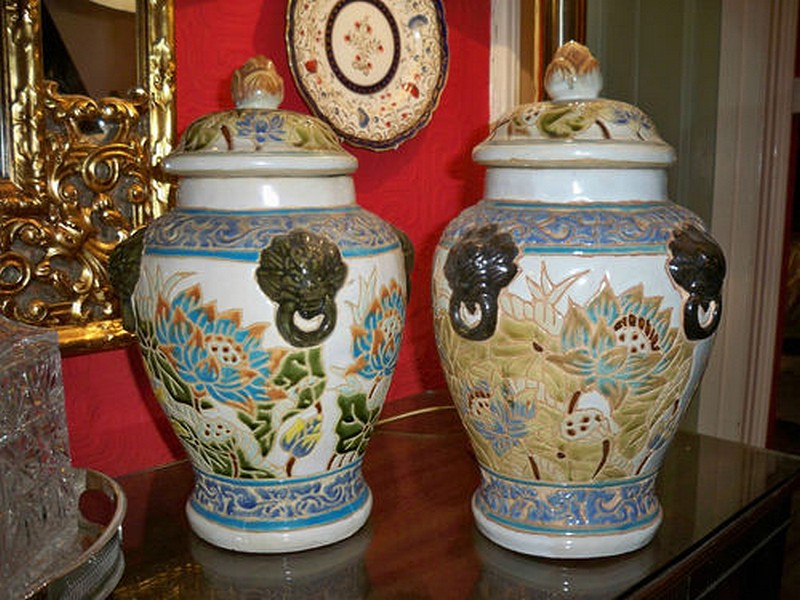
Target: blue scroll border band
{"x":643,"y":489}
{"x":356,"y":495}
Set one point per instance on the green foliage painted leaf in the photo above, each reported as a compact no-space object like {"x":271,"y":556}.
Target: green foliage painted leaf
{"x":199,"y":136}
{"x":224,"y":458}
{"x":176,"y":388}
{"x":356,"y":424}
{"x":248,"y":471}
{"x":293,"y":381}
{"x":158,"y":365}
{"x":312,"y":135}
{"x":304,"y":372}
{"x":261,"y":426}
{"x":301,"y":376}
{"x":563,"y":122}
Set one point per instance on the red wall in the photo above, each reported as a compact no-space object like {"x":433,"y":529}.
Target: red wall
{"x":115,"y":423}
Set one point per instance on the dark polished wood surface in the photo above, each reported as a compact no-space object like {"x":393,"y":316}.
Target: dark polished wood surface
{"x":726,"y":511}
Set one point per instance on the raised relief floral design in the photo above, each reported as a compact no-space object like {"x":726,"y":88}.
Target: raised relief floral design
{"x":355,"y":426}
{"x":617,"y":344}
{"x":301,"y":437}
{"x":503,"y":421}
{"x":257,"y":124}
{"x":632,"y":118}
{"x":588,"y":119}
{"x":569,"y":120}
{"x":367,"y":44}
{"x":547,"y":395}
{"x":573,"y":81}
{"x":262,"y":127}
{"x":542,"y":308}
{"x":379,"y":319}
{"x":243,"y":409}
{"x":211,"y":352}
{"x":254,"y":130}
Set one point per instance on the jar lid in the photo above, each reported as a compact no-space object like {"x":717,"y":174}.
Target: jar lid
{"x":257,"y":138}
{"x":576,"y":129}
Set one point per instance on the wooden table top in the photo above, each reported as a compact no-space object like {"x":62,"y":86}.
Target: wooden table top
{"x":719,"y":498}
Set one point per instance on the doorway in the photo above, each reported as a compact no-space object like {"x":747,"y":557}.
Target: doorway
{"x":784,"y":433}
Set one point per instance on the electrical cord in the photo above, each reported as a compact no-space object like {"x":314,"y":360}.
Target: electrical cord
{"x":414,"y":413}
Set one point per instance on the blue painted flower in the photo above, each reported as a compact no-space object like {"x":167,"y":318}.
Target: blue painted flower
{"x":302,"y":436}
{"x":376,"y":340}
{"x":502,"y":421}
{"x":618,"y":344}
{"x":262,"y":128}
{"x":636,"y":120}
{"x":216,"y":357}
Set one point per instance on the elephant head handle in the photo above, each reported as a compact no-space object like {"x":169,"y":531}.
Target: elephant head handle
{"x":477,"y":268}
{"x":697,"y":265}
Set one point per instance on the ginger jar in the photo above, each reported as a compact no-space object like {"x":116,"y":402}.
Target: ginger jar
{"x":269,"y":309}
{"x":575,"y":308}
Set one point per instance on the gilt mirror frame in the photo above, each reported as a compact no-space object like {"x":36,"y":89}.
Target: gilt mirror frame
{"x":77,"y":176}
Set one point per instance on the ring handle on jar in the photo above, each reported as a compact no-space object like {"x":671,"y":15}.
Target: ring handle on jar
{"x":305,"y":327}
{"x":700,"y":325}
{"x":477,"y":268}
{"x":697,"y":266}
{"x":301,"y":272}
{"x":473,"y":318}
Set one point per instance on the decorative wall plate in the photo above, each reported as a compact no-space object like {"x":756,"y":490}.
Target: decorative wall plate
{"x":372,"y":69}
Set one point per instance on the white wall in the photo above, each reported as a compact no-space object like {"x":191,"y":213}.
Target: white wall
{"x":716,"y":76}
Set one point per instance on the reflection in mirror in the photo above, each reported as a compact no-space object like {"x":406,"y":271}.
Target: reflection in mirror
{"x":88,"y":47}
{"x":58,"y":64}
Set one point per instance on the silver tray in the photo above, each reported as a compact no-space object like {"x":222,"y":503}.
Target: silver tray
{"x":90,"y":565}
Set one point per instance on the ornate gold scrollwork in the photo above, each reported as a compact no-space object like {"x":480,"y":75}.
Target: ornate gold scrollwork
{"x":82,"y":178}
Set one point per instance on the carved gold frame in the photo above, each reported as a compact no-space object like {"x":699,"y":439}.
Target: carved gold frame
{"x":77,"y":175}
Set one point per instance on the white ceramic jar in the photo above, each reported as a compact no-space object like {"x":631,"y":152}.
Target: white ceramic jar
{"x":269,"y":309}
{"x":574,"y":310}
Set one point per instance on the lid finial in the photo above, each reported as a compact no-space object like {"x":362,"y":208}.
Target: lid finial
{"x":573,"y":74}
{"x":256,"y":84}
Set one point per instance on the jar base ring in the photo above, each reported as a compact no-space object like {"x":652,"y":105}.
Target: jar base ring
{"x":565,"y":545}
{"x":281,"y":540}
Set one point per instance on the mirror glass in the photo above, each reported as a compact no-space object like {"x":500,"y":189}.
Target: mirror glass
{"x":76,"y":37}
